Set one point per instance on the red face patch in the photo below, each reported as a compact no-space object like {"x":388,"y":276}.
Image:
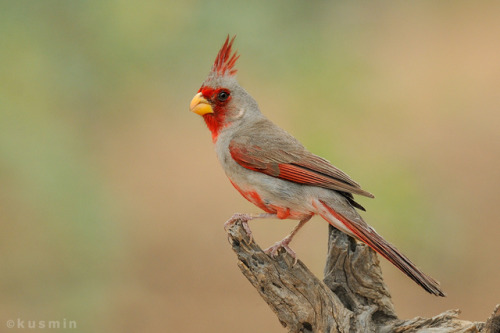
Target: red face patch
{"x":218,"y":99}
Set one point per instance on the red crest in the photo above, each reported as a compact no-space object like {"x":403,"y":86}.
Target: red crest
{"x":224,"y":62}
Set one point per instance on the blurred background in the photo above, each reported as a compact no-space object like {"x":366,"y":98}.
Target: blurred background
{"x":112,"y":202}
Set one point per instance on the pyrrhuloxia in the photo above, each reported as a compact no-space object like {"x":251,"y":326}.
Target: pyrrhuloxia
{"x":271,"y":169}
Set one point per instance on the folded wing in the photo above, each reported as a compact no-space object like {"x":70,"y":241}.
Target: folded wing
{"x":283,"y":157}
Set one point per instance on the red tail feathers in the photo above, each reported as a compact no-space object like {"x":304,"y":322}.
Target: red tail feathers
{"x":370,"y":237}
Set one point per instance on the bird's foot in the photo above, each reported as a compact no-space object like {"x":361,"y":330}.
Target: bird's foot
{"x":273,"y":250}
{"x":244,"y":218}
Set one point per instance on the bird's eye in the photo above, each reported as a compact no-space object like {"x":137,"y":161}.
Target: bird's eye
{"x":222,"y":96}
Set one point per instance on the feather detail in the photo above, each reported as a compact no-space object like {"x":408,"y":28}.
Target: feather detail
{"x":288,"y":160}
{"x":224,"y":62}
{"x":309,"y":176}
{"x":370,"y":237}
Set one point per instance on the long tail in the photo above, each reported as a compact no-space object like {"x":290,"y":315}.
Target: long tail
{"x":366,"y":234}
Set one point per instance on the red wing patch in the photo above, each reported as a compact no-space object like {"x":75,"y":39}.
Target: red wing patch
{"x":300,"y":175}
{"x":251,"y":161}
{"x":283,"y":165}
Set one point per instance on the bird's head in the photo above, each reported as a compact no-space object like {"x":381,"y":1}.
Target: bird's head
{"x":221,"y":101}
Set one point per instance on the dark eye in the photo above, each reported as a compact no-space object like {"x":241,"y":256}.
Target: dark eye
{"x":223,"y":95}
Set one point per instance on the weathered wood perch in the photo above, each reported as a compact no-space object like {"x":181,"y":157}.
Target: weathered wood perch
{"x":352,"y":297}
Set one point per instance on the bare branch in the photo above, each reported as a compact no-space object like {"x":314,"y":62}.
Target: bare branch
{"x":352,"y":298}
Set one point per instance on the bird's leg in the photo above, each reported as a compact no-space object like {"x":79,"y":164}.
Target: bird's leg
{"x":244,"y":218}
{"x":273,"y":250}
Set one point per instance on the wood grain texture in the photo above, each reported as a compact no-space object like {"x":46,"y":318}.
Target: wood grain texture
{"x":352,"y":297}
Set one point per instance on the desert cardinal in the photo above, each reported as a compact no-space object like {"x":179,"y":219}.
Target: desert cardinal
{"x":271,"y":169}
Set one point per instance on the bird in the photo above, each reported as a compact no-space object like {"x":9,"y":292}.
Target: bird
{"x":275,"y":172}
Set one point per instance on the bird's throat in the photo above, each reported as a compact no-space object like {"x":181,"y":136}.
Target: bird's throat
{"x":215,"y":124}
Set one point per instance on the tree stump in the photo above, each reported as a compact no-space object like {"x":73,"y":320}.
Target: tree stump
{"x":352,"y":297}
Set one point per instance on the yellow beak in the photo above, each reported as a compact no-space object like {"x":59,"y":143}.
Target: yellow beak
{"x":200,"y":105}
